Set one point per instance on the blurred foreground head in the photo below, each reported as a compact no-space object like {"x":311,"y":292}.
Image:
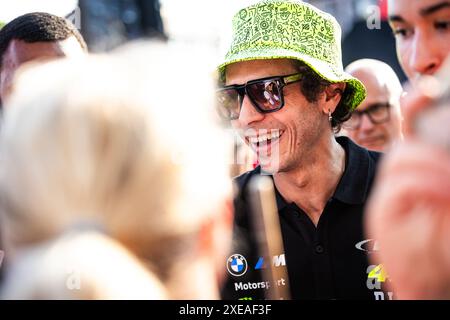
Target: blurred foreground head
{"x":123,"y":146}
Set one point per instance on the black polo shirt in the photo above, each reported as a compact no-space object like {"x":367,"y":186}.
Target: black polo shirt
{"x":327,"y":262}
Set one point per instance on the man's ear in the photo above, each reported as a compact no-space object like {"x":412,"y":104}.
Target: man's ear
{"x":333,"y":94}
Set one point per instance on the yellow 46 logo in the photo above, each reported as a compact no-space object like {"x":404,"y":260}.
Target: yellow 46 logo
{"x":378,"y":273}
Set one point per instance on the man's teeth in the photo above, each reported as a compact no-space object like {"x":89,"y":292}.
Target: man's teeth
{"x":264,"y":137}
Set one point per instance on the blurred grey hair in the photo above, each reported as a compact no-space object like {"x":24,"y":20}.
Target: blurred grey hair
{"x":87,"y":266}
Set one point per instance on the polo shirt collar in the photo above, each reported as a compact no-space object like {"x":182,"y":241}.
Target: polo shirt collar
{"x":353,"y":188}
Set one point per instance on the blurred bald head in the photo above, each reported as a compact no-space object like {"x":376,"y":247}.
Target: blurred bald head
{"x":376,"y":124}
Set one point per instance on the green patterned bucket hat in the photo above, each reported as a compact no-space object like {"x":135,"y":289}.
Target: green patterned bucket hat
{"x":275,"y":29}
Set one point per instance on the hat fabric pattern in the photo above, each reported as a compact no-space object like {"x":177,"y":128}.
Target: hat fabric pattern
{"x":275,"y":29}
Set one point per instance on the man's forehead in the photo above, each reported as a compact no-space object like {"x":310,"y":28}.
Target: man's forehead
{"x":377,"y":89}
{"x":19,"y":51}
{"x":370,"y":76}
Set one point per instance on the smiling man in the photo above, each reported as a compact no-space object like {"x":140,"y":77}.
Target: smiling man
{"x":377,"y":123}
{"x":285,"y":91}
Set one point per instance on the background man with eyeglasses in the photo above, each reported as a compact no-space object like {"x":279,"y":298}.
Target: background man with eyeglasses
{"x":377,"y":123}
{"x":285,"y":91}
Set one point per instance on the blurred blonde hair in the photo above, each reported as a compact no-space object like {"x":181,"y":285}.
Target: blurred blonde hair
{"x":80,"y":265}
{"x":127,"y":142}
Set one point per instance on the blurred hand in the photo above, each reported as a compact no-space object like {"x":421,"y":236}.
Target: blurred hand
{"x":409,"y":215}
{"x":420,"y":96}
{"x":412,"y":104}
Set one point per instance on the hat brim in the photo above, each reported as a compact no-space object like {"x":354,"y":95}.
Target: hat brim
{"x":354,"y":93}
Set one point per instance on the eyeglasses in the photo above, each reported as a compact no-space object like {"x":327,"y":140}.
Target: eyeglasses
{"x":265,"y":94}
{"x":377,"y":113}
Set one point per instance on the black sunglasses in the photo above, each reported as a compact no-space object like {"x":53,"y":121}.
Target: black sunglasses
{"x":265,"y":94}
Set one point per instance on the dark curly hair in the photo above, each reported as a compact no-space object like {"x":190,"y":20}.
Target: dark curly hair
{"x":38,"y":27}
{"x":312,"y":85}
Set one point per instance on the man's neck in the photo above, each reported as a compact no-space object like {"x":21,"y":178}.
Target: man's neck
{"x":312,"y":184}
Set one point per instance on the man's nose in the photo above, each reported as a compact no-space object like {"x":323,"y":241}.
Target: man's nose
{"x":249,"y":114}
{"x":424,"y":58}
{"x":366,"y":123}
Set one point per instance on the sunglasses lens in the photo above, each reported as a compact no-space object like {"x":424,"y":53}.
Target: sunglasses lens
{"x":265,"y":94}
{"x":228,"y":103}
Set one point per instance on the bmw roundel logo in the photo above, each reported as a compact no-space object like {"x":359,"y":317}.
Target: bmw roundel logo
{"x":237,"y":265}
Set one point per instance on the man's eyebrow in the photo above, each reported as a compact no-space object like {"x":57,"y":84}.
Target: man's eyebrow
{"x":434,"y":8}
{"x":396,"y":18}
